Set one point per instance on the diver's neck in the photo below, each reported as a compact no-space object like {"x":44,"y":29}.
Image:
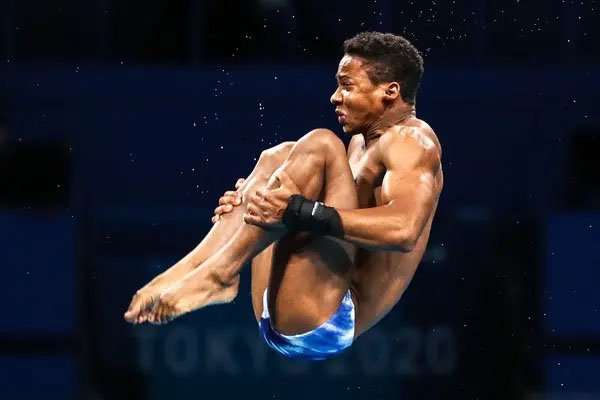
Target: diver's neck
{"x":389,"y":118}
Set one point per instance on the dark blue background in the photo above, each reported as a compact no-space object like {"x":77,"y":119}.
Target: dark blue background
{"x":122,"y":123}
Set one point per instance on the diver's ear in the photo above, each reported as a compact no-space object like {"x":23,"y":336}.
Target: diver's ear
{"x":392,"y":91}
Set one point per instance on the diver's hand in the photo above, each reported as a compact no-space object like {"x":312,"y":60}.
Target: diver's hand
{"x":266,"y":207}
{"x":229,"y":200}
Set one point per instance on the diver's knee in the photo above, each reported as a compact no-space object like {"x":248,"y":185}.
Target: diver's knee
{"x":276,"y":155}
{"x":324,"y":139}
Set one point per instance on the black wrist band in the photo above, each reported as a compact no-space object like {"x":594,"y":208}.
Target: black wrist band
{"x":302,"y":214}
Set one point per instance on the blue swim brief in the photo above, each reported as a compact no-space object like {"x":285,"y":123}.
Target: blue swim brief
{"x":328,"y":339}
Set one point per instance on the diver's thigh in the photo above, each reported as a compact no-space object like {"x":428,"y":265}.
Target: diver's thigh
{"x":261,"y":271}
{"x":308,"y":280}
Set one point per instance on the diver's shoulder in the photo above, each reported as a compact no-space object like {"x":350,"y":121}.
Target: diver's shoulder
{"x":413,"y":129}
{"x":416,"y":125}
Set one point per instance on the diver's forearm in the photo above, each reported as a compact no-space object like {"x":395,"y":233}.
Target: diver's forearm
{"x":376,"y":229}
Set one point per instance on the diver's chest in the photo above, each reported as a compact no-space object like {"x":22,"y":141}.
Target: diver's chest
{"x":368,"y":176}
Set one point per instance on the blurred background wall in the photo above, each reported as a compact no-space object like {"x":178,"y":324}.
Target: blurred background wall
{"x":121,"y":123}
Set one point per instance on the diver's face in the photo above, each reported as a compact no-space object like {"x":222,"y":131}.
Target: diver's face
{"x":358,"y":102}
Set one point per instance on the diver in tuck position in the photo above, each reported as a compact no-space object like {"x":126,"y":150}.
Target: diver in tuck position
{"x":334,"y":237}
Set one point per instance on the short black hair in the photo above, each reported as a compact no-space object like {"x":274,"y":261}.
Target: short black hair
{"x":393,"y":59}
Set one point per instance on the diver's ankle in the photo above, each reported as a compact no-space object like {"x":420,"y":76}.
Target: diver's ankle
{"x":226,"y":291}
{"x":214,"y":286}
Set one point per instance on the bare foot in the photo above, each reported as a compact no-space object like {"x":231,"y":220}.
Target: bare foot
{"x":142,"y":303}
{"x":195,"y":291}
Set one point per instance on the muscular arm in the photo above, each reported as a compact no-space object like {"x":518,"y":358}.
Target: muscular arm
{"x":411,"y":187}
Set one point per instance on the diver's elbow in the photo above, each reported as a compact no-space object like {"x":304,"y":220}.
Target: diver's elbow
{"x":404,"y":241}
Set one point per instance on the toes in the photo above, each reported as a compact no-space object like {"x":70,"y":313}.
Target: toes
{"x":162,"y":313}
{"x":160,"y":317}
{"x":152,"y":317}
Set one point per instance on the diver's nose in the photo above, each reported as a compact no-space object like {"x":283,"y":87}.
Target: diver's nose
{"x":336,"y":97}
